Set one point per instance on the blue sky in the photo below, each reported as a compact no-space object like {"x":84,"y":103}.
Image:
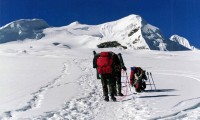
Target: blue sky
{"x":180,"y":17}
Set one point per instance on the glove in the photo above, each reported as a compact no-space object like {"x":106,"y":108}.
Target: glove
{"x":124,"y":68}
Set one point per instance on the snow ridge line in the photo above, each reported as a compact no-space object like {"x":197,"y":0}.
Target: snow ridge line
{"x":37,"y":98}
{"x":86,"y":106}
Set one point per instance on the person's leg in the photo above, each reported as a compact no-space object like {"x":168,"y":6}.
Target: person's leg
{"x":111,"y":87}
{"x":143,"y":85}
{"x":104,"y":86}
{"x":114,"y":85}
{"x":119,"y":84}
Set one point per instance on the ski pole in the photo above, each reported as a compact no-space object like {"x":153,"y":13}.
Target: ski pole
{"x":149,"y":79}
{"x":152,"y":80}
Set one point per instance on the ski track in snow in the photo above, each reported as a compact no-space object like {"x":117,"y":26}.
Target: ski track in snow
{"x":38,"y":96}
{"x":85,"y":107}
{"x":90,"y":105}
{"x":190,"y":113}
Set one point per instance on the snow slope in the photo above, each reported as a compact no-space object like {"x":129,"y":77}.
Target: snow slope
{"x":132,"y":32}
{"x":57,"y":83}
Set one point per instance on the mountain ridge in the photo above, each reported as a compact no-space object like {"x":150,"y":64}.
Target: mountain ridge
{"x":132,"y":31}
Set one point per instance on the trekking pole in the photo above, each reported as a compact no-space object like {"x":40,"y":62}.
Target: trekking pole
{"x":152,"y":80}
{"x":149,"y":79}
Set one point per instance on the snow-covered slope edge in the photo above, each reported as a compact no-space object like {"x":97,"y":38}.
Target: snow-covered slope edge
{"x":23,"y":29}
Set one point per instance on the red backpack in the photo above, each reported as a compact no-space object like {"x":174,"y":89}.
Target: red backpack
{"x":104,"y":63}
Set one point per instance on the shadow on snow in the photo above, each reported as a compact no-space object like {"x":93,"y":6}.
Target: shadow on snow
{"x":157,"y":96}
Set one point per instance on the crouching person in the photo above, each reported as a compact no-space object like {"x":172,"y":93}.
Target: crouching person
{"x":137,"y":78}
{"x":104,"y":70}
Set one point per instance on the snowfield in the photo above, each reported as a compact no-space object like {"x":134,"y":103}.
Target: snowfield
{"x":56,"y":83}
{"x":46,"y":73}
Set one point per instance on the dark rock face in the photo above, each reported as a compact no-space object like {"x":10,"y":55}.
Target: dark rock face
{"x":110,"y":44}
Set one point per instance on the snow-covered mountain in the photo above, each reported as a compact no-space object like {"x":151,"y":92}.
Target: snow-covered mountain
{"x":131,"y":32}
{"x":183,"y":41}
{"x":23,"y":29}
{"x":134,"y":32}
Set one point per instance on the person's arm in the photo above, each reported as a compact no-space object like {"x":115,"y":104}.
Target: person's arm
{"x":136,"y":77}
{"x":95,"y":60}
{"x":140,"y":76}
{"x":94,"y":52}
{"x":121,"y":61}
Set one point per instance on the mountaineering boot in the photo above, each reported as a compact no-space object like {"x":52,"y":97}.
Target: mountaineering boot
{"x":113,"y":98}
{"x":106,"y":98}
{"x":120,"y":94}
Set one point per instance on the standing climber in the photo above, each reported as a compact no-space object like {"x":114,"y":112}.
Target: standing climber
{"x":118,"y":65}
{"x":103,"y":62}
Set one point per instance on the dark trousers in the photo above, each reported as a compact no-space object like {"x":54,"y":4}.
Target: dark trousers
{"x":140,"y":86}
{"x":117,"y":83}
{"x":107,"y":84}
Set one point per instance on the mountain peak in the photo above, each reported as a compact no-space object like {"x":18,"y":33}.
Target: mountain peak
{"x":181,"y":40}
{"x":23,"y":29}
{"x":74,"y":23}
{"x":30,"y":23}
{"x":133,"y":16}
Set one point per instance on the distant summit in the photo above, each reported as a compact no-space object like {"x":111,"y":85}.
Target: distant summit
{"x":181,"y":40}
{"x":74,"y":23}
{"x":135,"y":33}
{"x":23,"y":29}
